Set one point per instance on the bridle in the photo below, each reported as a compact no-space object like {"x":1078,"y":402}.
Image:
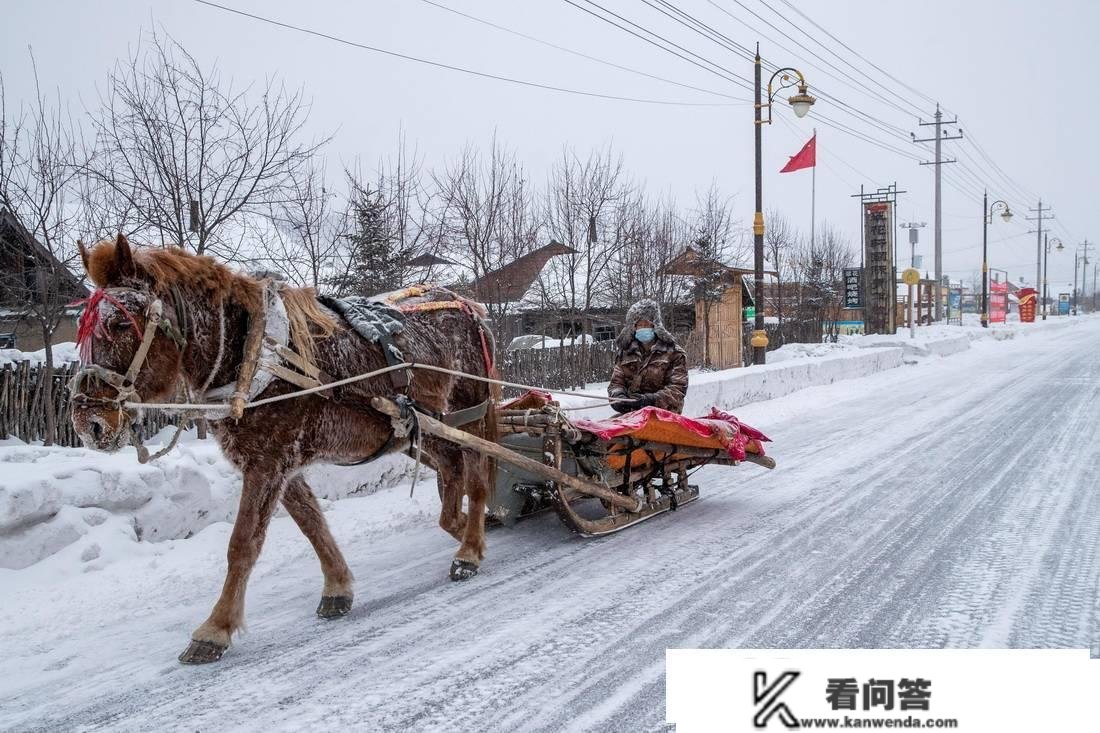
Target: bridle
{"x":126,"y":393}
{"x":123,"y":384}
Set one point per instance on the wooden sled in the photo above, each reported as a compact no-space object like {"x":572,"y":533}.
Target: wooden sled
{"x":596,"y":486}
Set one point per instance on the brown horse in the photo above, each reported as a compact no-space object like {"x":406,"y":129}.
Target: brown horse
{"x":200,"y":312}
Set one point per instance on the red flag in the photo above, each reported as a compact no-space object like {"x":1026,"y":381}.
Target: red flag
{"x":806,"y":157}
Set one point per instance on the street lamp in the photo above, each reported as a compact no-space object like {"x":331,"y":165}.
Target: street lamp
{"x":987,"y":219}
{"x":1046,"y":251}
{"x":800,"y":103}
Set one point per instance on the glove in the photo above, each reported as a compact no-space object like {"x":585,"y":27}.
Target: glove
{"x":623,"y":406}
{"x":647,"y":400}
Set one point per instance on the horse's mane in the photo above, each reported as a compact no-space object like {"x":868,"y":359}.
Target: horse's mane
{"x":173,"y":269}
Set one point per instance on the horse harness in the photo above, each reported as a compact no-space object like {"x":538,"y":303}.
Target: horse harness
{"x":380,"y":319}
{"x":267,"y":356}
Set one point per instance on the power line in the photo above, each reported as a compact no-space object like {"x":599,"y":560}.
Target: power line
{"x":451,"y":67}
{"x":717,"y":69}
{"x":725,"y":41}
{"x":858,"y":55}
{"x":812,"y":53}
{"x":581,"y":54}
{"x":731,"y":45}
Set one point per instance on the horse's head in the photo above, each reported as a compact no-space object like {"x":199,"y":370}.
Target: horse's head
{"x":130,"y":348}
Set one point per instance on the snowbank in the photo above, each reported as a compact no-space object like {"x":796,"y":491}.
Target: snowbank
{"x":94,"y":504}
{"x":731,"y":388}
{"x":62,"y":353}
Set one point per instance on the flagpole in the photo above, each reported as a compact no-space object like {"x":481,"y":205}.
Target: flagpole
{"x":813,"y":192}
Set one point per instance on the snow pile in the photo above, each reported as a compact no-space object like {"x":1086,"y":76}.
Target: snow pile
{"x":538,"y":341}
{"x":731,"y":388}
{"x":62,"y":354}
{"x":728,"y":390}
{"x":798,"y":351}
{"x":94,"y":506}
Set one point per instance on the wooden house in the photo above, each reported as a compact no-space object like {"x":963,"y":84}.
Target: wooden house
{"x":23,"y":262}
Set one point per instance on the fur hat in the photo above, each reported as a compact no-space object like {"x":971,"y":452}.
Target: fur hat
{"x":643,"y":310}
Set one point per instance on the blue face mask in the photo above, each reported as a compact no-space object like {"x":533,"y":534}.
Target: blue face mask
{"x":645,"y":335}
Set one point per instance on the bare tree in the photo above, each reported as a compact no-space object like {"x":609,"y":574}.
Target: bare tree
{"x":819,"y":271}
{"x":303,"y":236}
{"x":580,"y":211}
{"x":648,"y":233}
{"x":38,"y":194}
{"x":712,"y":219}
{"x":170,"y":133}
{"x":483,"y":214}
{"x":780,"y":242}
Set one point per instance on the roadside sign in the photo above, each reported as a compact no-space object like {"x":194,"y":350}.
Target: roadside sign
{"x":910,"y":276}
{"x":853,"y":287}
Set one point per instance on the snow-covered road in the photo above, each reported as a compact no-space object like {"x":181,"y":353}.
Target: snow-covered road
{"x":952,"y":503}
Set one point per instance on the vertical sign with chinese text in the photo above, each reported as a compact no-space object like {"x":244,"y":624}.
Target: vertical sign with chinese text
{"x":998,"y":302}
{"x":853,"y":287}
{"x":879,"y":288}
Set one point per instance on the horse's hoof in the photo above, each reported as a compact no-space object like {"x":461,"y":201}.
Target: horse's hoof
{"x":202,"y":652}
{"x":462,"y":570}
{"x":334,"y":606}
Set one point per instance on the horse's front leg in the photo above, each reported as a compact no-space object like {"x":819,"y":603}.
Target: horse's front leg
{"x":303,"y":507}
{"x":259,"y":496}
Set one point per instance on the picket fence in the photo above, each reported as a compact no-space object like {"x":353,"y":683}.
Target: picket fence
{"x":23,"y":406}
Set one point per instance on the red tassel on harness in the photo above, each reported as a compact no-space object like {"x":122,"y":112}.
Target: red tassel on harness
{"x":91,"y":325}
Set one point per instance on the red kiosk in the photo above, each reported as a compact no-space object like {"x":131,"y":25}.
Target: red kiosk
{"x":1028,"y":302}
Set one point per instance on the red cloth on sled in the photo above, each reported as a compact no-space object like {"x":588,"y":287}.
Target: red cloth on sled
{"x":717,"y":430}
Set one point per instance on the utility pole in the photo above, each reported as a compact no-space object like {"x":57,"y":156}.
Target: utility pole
{"x":1095,"y":267}
{"x":1040,"y":217}
{"x":938,"y":233}
{"x":938,"y":139}
{"x":1083,"y":249}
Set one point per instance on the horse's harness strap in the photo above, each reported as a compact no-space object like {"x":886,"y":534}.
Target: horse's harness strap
{"x":151,"y":324}
{"x":267,"y":356}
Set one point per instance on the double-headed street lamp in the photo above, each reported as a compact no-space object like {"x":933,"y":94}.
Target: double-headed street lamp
{"x":1048,"y":243}
{"x":800,"y":103}
{"x":987,"y":218}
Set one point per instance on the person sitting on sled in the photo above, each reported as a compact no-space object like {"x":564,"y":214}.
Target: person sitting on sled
{"x":650,"y":368}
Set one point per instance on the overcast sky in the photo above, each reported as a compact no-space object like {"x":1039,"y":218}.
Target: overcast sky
{"x":1018,"y":75}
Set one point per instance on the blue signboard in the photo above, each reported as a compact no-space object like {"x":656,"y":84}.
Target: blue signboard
{"x":1063,"y":304}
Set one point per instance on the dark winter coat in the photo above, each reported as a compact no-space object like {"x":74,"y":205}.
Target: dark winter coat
{"x":656,"y":375}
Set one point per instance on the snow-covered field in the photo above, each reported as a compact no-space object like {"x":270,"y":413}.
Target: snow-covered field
{"x":920,"y":500}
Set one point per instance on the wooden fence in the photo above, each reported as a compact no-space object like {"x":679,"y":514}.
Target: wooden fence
{"x":23,"y":406}
{"x":23,"y":412}
{"x":570,"y":366}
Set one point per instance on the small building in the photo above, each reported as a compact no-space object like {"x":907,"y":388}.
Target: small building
{"x":720,"y":313}
{"x":23,"y":262}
